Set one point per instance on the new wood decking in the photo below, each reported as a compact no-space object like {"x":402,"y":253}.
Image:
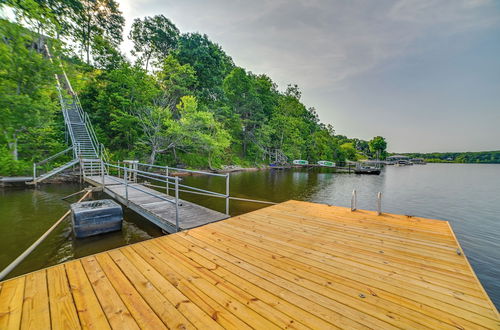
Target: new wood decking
{"x":293,"y":265}
{"x":157,"y":210}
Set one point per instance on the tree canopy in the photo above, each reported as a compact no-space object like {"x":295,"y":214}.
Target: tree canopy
{"x":181,"y":100}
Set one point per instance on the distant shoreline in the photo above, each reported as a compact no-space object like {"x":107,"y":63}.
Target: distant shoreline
{"x":476,"y":157}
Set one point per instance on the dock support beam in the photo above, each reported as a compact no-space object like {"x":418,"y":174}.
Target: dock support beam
{"x":354,"y":200}
{"x":227,"y":193}
{"x":166,"y":179}
{"x":379,"y":203}
{"x":176,"y":204}
{"x":125,"y":177}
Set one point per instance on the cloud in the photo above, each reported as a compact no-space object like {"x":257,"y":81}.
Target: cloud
{"x":317,"y":43}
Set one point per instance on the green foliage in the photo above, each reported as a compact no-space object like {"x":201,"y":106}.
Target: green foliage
{"x":209,"y":61}
{"x":25,"y":86}
{"x":486,"y":157}
{"x":197,"y":131}
{"x":378,"y":146}
{"x":197,"y":108}
{"x":153,"y":38}
{"x":349,"y":151}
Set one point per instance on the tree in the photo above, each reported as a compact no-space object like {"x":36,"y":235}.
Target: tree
{"x":154,"y":122}
{"x":176,"y":80}
{"x":241,"y":93}
{"x":25,"y":85}
{"x":100,"y":18}
{"x":349,"y":151}
{"x":153,"y":37}
{"x":198,"y":131}
{"x":208,"y":60}
{"x":378,"y":146}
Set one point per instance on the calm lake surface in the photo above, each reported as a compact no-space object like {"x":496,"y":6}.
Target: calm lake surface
{"x":466,"y":195}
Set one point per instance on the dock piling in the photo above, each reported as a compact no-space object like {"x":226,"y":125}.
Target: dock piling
{"x":176,"y":204}
{"x":379,"y":203}
{"x":354,"y":200}
{"x":227,"y":193}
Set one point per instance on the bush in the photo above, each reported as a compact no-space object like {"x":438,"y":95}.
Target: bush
{"x":10,"y":167}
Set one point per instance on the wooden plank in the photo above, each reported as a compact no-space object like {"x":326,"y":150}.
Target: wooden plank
{"x":11,"y":303}
{"x":89,"y":310}
{"x":250,"y":283}
{"x":284,"y":288}
{"x":162,"y":307}
{"x":190,"y":310}
{"x":375,"y":281}
{"x":333,"y":246}
{"x":36,"y":314}
{"x":140,"y":310}
{"x":242,"y":311}
{"x":350,"y":305}
{"x":62,"y":308}
{"x":246,"y":298}
{"x":117,"y":313}
{"x":207,"y":304}
{"x":325,"y":281}
{"x":385,"y":282}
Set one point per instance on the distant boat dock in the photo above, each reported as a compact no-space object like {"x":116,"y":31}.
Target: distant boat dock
{"x":292,"y":265}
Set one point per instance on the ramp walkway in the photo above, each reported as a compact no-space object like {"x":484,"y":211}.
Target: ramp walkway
{"x":167,"y":212}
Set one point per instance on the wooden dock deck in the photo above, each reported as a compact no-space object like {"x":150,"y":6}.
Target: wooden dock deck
{"x":155,"y":209}
{"x":292,"y":265}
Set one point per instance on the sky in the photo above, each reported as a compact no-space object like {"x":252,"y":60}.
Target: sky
{"x":425,"y":74}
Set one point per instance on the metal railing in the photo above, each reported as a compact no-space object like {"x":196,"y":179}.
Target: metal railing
{"x":191,"y":189}
{"x":151,"y":175}
{"x":46,"y":160}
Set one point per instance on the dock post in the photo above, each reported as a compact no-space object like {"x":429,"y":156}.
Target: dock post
{"x":354,"y":200}
{"x":166,"y":173}
{"x":227,"y":194}
{"x":176,"y":204}
{"x":379,"y":203}
{"x":34,"y":172}
{"x":102,"y":174}
{"x":125,"y":176}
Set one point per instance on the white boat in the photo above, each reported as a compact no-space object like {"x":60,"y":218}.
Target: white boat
{"x":326,"y":163}
{"x":300,"y":162}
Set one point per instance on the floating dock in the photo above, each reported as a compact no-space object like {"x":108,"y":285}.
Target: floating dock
{"x":292,"y":265}
{"x":152,"y":204}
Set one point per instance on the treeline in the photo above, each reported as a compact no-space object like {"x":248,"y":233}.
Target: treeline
{"x":487,"y":157}
{"x":181,"y":101}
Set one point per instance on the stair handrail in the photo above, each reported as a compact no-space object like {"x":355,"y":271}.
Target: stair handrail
{"x":83,"y":115}
{"x":46,"y":160}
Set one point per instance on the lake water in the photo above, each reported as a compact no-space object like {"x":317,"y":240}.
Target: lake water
{"x":465,"y":194}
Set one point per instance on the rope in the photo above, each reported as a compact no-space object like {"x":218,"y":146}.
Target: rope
{"x":33,"y":246}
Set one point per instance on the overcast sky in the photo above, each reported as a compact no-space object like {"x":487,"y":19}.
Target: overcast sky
{"x":425,"y":74}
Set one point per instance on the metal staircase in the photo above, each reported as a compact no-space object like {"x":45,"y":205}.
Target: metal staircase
{"x":86,"y":148}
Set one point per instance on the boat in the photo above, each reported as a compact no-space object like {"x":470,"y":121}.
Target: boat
{"x":326,"y":163}
{"x":360,"y":169}
{"x":418,"y":161}
{"x":398,"y":160}
{"x":300,"y":162}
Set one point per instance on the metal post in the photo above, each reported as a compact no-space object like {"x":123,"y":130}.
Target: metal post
{"x":125,"y":177}
{"x":102,"y":172}
{"x":166,"y":173}
{"x":227,"y":194}
{"x":354,"y":200}
{"x":176,"y":204}
{"x":34,"y":171}
{"x":379,"y":203}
